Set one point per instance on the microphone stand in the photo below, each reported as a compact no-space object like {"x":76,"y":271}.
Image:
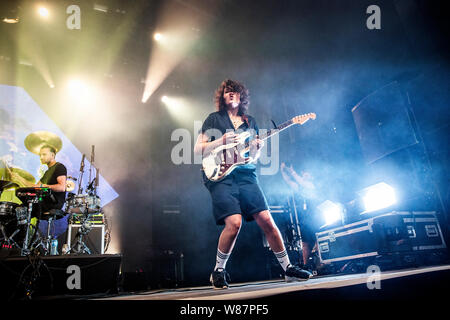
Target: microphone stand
{"x":91,"y":164}
{"x":96,"y":181}
{"x":80,"y":190}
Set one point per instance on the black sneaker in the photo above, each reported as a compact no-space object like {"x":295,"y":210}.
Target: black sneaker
{"x":219,"y":279}
{"x":294,"y":273}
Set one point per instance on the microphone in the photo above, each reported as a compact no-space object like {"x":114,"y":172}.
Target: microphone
{"x":93,"y":185}
{"x":90,"y":185}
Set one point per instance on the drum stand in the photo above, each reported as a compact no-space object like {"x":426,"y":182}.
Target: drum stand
{"x":39,"y":241}
{"x":8,"y":241}
{"x":79,"y":247}
{"x":25,"y":249}
{"x":295,"y":226}
{"x":45,"y":242}
{"x":48,"y":239}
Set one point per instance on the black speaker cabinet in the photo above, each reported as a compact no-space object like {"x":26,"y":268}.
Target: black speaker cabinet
{"x":94,"y":240}
{"x":383,"y":123}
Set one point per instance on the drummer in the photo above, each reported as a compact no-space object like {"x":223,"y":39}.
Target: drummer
{"x":54,"y":178}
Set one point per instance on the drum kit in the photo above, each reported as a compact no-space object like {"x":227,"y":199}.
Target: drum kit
{"x":20,"y":202}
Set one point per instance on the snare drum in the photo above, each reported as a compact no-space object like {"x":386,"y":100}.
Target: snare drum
{"x":7,"y":208}
{"x":79,"y":204}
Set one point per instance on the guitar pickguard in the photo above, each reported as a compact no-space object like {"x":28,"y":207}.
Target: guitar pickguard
{"x":229,"y":158}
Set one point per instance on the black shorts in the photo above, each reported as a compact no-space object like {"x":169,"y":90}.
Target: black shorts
{"x":238,"y":193}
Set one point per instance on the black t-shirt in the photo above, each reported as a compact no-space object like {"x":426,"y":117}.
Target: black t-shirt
{"x":217,"y":124}
{"x":50,"y":177}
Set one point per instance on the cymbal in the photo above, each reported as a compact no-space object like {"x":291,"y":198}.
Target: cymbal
{"x":4,"y":184}
{"x":36,"y":140}
{"x":24,"y":174}
{"x":70,"y":185}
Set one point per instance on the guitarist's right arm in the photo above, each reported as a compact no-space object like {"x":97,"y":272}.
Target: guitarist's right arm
{"x":203,"y":147}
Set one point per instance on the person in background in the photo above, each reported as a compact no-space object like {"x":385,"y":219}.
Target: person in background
{"x":305,"y":192}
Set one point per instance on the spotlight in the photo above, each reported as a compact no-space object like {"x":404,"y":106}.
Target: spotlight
{"x":81,"y":92}
{"x":177,"y":107}
{"x":77,"y":87}
{"x":10,"y":20}
{"x":172,"y":103}
{"x":101,"y":8}
{"x":332,"y":212}
{"x":378,"y":196}
{"x":158,"y":36}
{"x":43,"y":12}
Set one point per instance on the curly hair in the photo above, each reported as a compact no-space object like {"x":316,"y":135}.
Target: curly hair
{"x":235,"y":86}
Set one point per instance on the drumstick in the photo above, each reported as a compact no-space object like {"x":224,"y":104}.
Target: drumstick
{"x":7,"y":169}
{"x":18,"y":178}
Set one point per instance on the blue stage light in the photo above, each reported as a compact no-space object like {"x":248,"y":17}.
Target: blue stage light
{"x":332,"y":212}
{"x":378,"y":196}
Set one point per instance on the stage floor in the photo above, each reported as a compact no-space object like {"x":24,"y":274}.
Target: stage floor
{"x":399,"y":280}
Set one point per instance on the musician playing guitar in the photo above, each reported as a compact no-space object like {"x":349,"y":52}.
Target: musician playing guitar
{"x":237,"y":194}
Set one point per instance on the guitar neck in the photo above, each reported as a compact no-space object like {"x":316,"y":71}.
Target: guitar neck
{"x":278,"y":129}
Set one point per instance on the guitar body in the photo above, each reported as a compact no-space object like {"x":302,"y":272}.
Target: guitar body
{"x":224,"y":159}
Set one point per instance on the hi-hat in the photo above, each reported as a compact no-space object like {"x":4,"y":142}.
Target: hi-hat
{"x":36,"y":140}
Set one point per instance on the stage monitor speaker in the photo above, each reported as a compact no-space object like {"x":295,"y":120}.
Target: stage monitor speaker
{"x":168,"y":269}
{"x":94,"y":240}
{"x":383,"y":123}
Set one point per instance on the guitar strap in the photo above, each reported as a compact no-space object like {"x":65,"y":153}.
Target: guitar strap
{"x":246,"y":120}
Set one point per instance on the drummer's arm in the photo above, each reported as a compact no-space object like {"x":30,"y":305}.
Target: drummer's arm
{"x":59,"y":187}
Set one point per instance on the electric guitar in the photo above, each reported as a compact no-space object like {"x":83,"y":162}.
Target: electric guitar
{"x":221,"y":161}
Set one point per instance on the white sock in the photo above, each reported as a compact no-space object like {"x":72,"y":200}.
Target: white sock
{"x":221,"y":259}
{"x":283,"y":259}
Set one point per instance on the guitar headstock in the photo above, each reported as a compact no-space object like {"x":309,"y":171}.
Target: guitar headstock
{"x":303,"y":118}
